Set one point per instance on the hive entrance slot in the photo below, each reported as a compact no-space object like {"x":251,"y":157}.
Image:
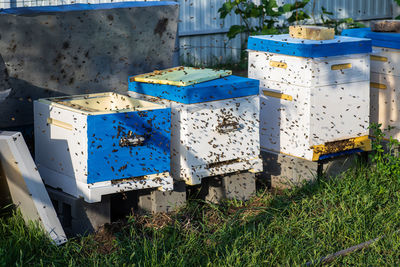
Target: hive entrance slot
{"x":222,"y":163}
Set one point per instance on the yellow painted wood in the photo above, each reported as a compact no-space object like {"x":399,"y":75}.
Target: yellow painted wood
{"x":363,"y":143}
{"x":341,"y":66}
{"x":311,"y":32}
{"x":59,"y":124}
{"x":278,"y":64}
{"x":379,"y":58}
{"x":378,"y":85}
{"x":181,"y":76}
{"x":278,"y":95}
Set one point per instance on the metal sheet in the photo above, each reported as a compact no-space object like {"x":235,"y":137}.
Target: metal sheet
{"x":82,"y":52}
{"x":203,"y":39}
{"x":203,"y":34}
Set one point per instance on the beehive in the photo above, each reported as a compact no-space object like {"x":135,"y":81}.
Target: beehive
{"x":314,"y":95}
{"x":97,"y":144}
{"x":214,"y":120}
{"x":385,"y":78}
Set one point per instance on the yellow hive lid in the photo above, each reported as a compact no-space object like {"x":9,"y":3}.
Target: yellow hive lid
{"x":181,"y":76}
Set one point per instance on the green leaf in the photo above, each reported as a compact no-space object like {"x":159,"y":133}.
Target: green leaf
{"x":397,"y":1}
{"x":285,"y":8}
{"x":298,"y":16}
{"x":225,"y":9}
{"x":324,"y":11}
{"x":235,"y":30}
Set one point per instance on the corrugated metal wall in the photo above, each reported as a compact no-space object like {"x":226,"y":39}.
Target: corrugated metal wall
{"x":27,"y":3}
{"x":203,"y":39}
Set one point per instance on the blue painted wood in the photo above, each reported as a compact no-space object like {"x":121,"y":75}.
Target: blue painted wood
{"x":381,"y":39}
{"x":342,"y":153}
{"x":107,"y":160}
{"x":218,"y":89}
{"x":81,"y":7}
{"x":284,"y":44}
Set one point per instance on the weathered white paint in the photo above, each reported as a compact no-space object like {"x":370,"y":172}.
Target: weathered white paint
{"x":63,"y":130}
{"x":385,"y":89}
{"x":308,"y":71}
{"x":310,"y":101}
{"x":200,"y":144}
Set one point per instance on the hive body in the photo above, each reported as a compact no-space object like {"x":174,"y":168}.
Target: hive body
{"x":385,"y":79}
{"x":385,"y":90}
{"x":102,"y":143}
{"x":308,"y":103}
{"x":209,"y":137}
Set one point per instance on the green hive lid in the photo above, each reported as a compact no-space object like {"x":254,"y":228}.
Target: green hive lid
{"x":181,"y":76}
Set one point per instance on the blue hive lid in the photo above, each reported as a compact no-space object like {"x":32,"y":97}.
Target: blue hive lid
{"x":382,"y":39}
{"x":284,"y":44}
{"x":217,"y":89}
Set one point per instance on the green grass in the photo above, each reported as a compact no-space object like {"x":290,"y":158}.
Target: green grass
{"x":289,"y":229}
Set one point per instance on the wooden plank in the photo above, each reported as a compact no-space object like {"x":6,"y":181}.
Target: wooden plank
{"x":311,"y":32}
{"x":386,"y":26}
{"x":26,"y":187}
{"x":181,"y":76}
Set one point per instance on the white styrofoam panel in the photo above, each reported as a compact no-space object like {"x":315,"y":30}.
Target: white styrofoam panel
{"x":311,"y":116}
{"x":308,"y":71}
{"x":198,"y":146}
{"x":385,"y":102}
{"x":385,"y":61}
{"x":26,"y":187}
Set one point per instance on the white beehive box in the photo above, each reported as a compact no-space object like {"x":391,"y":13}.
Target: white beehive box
{"x":385,"y":79}
{"x":98,"y":144}
{"x":314,"y":100}
{"x":215,"y":127}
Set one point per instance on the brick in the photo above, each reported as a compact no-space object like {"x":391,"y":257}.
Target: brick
{"x":77,"y":216}
{"x":167,"y":201}
{"x":283,"y":171}
{"x":240,"y":186}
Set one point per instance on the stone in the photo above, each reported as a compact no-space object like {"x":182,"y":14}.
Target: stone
{"x":284,"y":172}
{"x":77,"y":216}
{"x":239,"y":186}
{"x":157,"y":201}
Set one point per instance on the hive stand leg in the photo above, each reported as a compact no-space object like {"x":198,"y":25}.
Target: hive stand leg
{"x":333,"y":167}
{"x":215,"y":192}
{"x":77,"y":216}
{"x":283,"y":171}
{"x":163,"y":201}
{"x":240,"y":186}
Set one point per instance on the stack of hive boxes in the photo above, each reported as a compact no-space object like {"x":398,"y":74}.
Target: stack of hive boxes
{"x":97,"y":144}
{"x":314,"y":94}
{"x":385,"y":78}
{"x":214,"y":115}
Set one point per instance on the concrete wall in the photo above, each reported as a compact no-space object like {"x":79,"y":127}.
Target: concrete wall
{"x":77,"y":52}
